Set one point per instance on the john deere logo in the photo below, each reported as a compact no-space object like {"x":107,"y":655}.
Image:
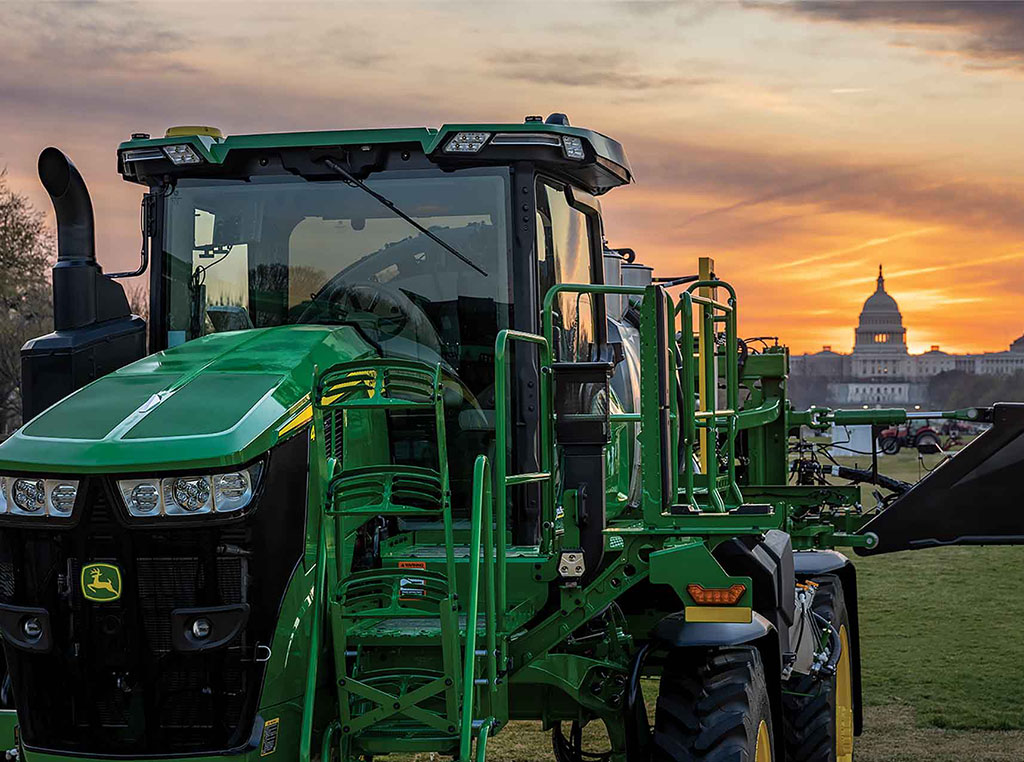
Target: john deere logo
{"x":101,"y":582}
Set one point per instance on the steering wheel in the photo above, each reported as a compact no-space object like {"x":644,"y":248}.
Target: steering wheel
{"x":385,"y":311}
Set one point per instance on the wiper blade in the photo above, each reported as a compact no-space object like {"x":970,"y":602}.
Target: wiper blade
{"x":384,"y":200}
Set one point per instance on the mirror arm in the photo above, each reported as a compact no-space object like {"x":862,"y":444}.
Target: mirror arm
{"x":148,"y":205}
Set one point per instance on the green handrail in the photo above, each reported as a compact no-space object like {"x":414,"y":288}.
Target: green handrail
{"x":312,"y":666}
{"x":481,"y":522}
{"x":503,"y":447}
{"x":713,"y":419}
{"x":481,"y":741}
{"x":578,"y":288}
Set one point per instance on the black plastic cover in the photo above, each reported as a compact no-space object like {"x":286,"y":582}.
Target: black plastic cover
{"x":971,"y":499}
{"x":12,"y":619}
{"x":57,"y":364}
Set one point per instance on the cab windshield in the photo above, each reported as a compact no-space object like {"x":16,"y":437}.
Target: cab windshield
{"x":273,"y":251}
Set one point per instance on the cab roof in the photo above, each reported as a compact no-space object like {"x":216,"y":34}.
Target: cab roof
{"x":604,"y":166}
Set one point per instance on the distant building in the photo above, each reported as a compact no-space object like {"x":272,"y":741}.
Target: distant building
{"x":880,"y":371}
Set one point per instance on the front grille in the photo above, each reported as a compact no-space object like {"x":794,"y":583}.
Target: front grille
{"x":166,"y":584}
{"x":114,"y":683}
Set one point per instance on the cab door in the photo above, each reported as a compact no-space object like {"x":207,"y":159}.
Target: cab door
{"x":974,"y":498}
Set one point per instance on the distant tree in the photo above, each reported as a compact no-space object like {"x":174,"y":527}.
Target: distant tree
{"x":138,"y":298}
{"x":26,"y":253}
{"x":956,"y":389}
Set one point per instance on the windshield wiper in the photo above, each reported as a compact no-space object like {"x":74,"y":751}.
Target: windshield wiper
{"x":351,"y":180}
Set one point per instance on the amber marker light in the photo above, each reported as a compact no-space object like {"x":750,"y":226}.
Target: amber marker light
{"x":716,"y":596}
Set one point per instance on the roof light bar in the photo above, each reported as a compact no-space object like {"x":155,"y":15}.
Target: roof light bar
{"x":526,"y":139}
{"x":141,"y":154}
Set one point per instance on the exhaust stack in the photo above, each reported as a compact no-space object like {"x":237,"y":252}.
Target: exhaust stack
{"x":81,"y":295}
{"x":94,"y":330}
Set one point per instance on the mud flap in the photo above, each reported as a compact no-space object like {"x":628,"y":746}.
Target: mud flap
{"x":971,"y":499}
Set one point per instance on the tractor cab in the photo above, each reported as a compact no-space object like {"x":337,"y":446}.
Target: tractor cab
{"x":424,"y":243}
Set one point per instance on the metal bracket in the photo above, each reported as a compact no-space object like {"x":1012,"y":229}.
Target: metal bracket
{"x":571,"y":564}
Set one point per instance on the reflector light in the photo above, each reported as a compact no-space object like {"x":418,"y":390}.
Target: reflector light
{"x":467,"y":142}
{"x":716,"y":596}
{"x":182,"y":154}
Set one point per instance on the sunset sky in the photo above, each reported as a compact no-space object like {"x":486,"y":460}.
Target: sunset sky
{"x":799,"y":144}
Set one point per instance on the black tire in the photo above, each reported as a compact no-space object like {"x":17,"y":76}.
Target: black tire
{"x":889,"y":445}
{"x":711,"y":707}
{"x":811,"y":724}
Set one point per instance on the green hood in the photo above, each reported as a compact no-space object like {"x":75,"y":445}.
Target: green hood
{"x":216,"y":401}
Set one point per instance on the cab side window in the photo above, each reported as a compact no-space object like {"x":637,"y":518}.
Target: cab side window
{"x":564,"y":256}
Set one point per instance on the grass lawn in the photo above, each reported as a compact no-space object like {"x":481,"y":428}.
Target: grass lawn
{"x":943,"y":648}
{"x":943,"y":653}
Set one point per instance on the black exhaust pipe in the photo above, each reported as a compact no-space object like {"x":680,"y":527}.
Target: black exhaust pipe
{"x":76,"y":239}
{"x":94,"y":330}
{"x":81,"y":296}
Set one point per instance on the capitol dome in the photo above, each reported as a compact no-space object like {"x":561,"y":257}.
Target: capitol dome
{"x":880,"y":329}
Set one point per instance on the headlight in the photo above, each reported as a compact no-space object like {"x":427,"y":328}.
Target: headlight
{"x":182,"y":154}
{"x":32,"y":496}
{"x":467,"y":142}
{"x":190,"y":495}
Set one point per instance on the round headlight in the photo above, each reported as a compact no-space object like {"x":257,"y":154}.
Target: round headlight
{"x":191,"y":492}
{"x":144,"y":498}
{"x":62,"y":497}
{"x":29,"y":495}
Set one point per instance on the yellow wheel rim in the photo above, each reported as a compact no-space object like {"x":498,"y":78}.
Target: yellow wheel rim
{"x":844,"y":701}
{"x":763,"y":750}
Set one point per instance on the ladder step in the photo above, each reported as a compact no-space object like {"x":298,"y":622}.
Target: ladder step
{"x":387,"y":490}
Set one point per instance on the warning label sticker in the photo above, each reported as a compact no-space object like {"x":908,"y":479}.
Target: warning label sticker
{"x":269,"y":743}
{"x":411,"y":588}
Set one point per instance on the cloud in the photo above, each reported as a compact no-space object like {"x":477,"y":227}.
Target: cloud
{"x":598,"y":70}
{"x":737,"y":181}
{"x":989,"y":35}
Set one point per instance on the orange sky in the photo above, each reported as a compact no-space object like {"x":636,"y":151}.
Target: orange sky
{"x":798,"y":144}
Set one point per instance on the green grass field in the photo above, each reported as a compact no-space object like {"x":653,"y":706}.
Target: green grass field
{"x":943,"y":654}
{"x":943,"y":649}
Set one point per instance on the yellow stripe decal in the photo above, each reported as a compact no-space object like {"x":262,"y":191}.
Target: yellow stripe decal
{"x":735,"y":614}
{"x":305,"y":416}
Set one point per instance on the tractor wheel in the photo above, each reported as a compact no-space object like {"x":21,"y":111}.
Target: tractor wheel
{"x":818,"y":714}
{"x":928,"y":438}
{"x":889,"y":445}
{"x":713,"y":707}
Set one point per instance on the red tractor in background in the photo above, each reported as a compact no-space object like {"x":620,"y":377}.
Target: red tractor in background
{"x":919,"y":435}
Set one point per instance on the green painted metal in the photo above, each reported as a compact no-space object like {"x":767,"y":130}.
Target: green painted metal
{"x":481,"y":521}
{"x":502,"y":428}
{"x":220,"y":400}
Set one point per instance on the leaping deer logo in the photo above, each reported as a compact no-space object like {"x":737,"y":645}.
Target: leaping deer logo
{"x":101,"y":582}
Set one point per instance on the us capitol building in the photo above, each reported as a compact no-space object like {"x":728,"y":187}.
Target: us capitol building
{"x":880,"y":371}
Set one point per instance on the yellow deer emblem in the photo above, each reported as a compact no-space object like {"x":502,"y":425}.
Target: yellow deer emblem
{"x":101,"y":582}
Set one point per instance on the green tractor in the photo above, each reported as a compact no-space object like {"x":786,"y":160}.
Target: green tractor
{"x":404,"y":453}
